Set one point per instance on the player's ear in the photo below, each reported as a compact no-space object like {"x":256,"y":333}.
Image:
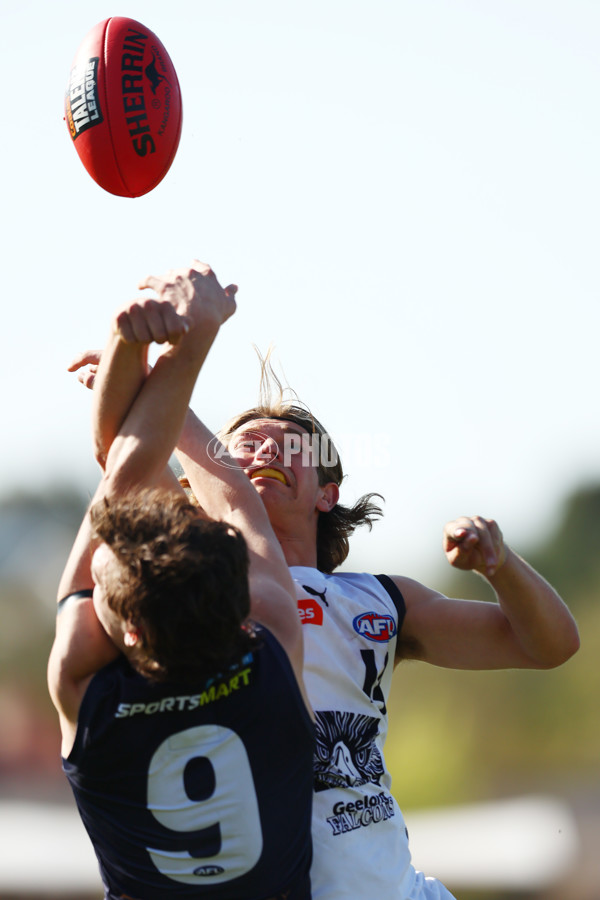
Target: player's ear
{"x":329,"y":494}
{"x":131,"y":636}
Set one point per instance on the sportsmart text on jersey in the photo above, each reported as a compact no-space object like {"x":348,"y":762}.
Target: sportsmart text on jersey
{"x":187,"y":702}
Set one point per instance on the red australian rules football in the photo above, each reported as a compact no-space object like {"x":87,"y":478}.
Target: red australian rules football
{"x":123,"y":107}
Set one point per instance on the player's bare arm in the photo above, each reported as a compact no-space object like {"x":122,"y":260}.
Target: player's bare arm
{"x":226,"y":494}
{"x":529,"y":627}
{"x":139,"y":454}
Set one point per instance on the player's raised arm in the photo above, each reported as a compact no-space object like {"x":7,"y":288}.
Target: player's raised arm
{"x":137,"y":456}
{"x":225,"y":493}
{"x":148,"y":436}
{"x":529,"y":627}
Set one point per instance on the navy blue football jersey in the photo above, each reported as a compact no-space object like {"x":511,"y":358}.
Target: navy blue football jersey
{"x":198,"y":791}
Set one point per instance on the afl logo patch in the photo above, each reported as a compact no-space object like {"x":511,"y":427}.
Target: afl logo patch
{"x":209,"y":870}
{"x":375,"y":627}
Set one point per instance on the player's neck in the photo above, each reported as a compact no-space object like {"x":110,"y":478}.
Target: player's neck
{"x":299,"y":552}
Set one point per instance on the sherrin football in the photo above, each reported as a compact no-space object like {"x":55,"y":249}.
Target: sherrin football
{"x":123,"y":107}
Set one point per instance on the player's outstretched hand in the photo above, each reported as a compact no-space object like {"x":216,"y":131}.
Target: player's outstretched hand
{"x":195,"y":293}
{"x":474,"y":543}
{"x":86,"y":366}
{"x":187,"y":297}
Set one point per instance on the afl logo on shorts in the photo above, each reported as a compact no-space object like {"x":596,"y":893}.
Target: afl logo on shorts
{"x":375,"y":627}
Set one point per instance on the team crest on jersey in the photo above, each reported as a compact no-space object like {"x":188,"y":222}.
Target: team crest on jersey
{"x":375,"y":627}
{"x":361,"y":813}
{"x":346,"y":753}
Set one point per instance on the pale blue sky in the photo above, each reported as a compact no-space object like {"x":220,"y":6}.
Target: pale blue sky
{"x":407,"y":194}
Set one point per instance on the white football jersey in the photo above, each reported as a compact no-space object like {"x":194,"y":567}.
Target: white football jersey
{"x":360,"y":841}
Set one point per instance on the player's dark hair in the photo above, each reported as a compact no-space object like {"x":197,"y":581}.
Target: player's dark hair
{"x":334,"y":528}
{"x":183,"y":584}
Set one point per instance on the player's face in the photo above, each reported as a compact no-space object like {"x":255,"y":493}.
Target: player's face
{"x":276,"y":456}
